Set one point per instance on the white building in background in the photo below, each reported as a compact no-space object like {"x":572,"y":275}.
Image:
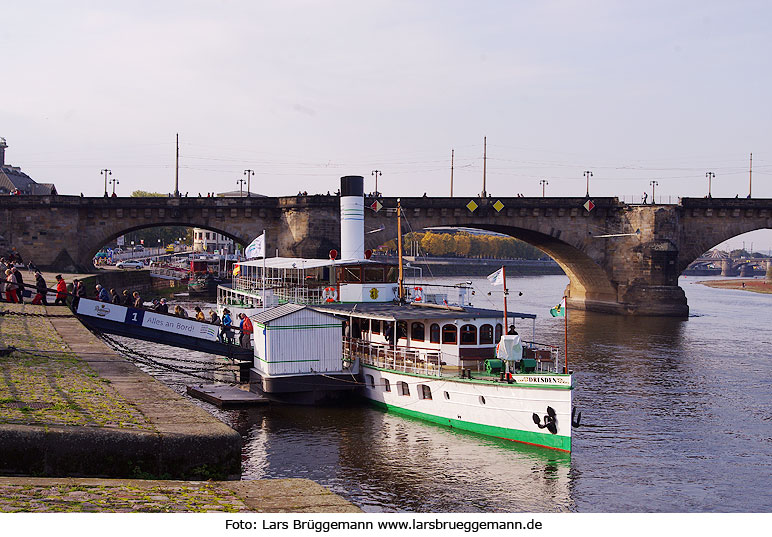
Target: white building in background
{"x":205,"y":240}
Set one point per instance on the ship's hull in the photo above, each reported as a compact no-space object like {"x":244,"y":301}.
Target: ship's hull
{"x":480,"y":406}
{"x":203,"y":286}
{"x":304,"y":389}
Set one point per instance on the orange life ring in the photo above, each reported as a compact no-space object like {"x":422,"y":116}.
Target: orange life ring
{"x":418,"y":294}
{"x":330,"y":294}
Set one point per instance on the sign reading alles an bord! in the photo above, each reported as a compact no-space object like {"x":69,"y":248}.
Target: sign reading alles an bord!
{"x":147,"y":319}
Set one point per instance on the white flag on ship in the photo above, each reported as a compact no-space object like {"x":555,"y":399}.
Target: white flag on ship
{"x":256,"y":248}
{"x":497,"y":278}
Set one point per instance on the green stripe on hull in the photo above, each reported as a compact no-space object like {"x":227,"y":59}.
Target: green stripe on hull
{"x":553,"y":441}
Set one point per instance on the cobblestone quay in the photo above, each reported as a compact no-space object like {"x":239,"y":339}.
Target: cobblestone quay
{"x":71,"y":406}
{"x":62,"y":495}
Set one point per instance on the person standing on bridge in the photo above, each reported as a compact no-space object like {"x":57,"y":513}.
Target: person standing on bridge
{"x":61,"y":291}
{"x":137,"y":300}
{"x":245,"y":339}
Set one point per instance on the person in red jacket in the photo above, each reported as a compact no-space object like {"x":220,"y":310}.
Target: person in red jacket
{"x":245,"y":339}
{"x":61,"y":291}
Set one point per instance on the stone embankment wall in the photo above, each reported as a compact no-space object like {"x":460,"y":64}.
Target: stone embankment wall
{"x":71,"y":406}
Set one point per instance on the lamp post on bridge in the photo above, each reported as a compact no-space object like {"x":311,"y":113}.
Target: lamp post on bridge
{"x":543,"y":182}
{"x":653,"y":184}
{"x":588,"y":174}
{"x":710,"y":176}
{"x":249,"y":174}
{"x":241,"y":182}
{"x":376,"y":173}
{"x":177,"y":169}
{"x":114,"y":182}
{"x":105,"y":172}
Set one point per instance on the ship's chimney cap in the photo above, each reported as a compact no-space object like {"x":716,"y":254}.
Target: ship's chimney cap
{"x":352,"y":185}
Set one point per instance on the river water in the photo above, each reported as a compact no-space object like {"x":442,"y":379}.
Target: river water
{"x":677,"y":416}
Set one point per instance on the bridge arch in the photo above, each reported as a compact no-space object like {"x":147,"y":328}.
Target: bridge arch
{"x":732,"y":266}
{"x":703,"y":226}
{"x":113,"y":235}
{"x":588,"y":281}
{"x":109,"y":234}
{"x":705,"y":241}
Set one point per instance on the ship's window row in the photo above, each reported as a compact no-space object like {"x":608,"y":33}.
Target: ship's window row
{"x":447,"y":334}
{"x":357,"y":274}
{"x":424,"y":391}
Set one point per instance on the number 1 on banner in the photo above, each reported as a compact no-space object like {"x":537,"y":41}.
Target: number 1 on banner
{"x":134,"y":316}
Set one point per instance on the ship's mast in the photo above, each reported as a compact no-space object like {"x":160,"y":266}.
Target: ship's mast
{"x":504,"y":277}
{"x":399,"y":252}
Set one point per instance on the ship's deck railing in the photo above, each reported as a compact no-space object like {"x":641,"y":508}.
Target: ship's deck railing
{"x":246,"y":283}
{"x":300,"y":294}
{"x":546,"y":356}
{"x":230,"y":297}
{"x":421,"y":362}
{"x":284,"y":290}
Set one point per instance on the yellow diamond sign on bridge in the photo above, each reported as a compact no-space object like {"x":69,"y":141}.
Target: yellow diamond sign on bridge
{"x":471,"y":206}
{"x":498,"y":206}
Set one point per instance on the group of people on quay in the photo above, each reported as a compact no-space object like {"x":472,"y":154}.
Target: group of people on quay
{"x":12,"y":289}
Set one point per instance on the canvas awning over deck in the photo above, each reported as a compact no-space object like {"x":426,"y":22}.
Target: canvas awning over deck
{"x":395,"y":312}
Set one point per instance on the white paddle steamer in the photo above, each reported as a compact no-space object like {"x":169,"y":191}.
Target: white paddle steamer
{"x":326,"y":328}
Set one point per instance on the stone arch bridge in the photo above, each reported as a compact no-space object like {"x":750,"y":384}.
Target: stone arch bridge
{"x":735,"y":267}
{"x":620,"y":258}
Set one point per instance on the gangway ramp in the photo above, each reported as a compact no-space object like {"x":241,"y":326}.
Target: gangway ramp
{"x":157,"y":327}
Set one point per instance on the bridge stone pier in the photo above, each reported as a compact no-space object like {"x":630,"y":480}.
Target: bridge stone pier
{"x":727,"y":267}
{"x":622,"y":259}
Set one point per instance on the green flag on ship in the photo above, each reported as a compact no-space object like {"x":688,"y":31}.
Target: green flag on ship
{"x":559,"y":310}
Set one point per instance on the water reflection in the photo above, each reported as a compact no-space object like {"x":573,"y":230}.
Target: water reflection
{"x":384,"y":462}
{"x":677,"y":417}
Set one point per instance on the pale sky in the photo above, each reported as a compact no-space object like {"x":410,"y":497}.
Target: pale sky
{"x":306,"y":91}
